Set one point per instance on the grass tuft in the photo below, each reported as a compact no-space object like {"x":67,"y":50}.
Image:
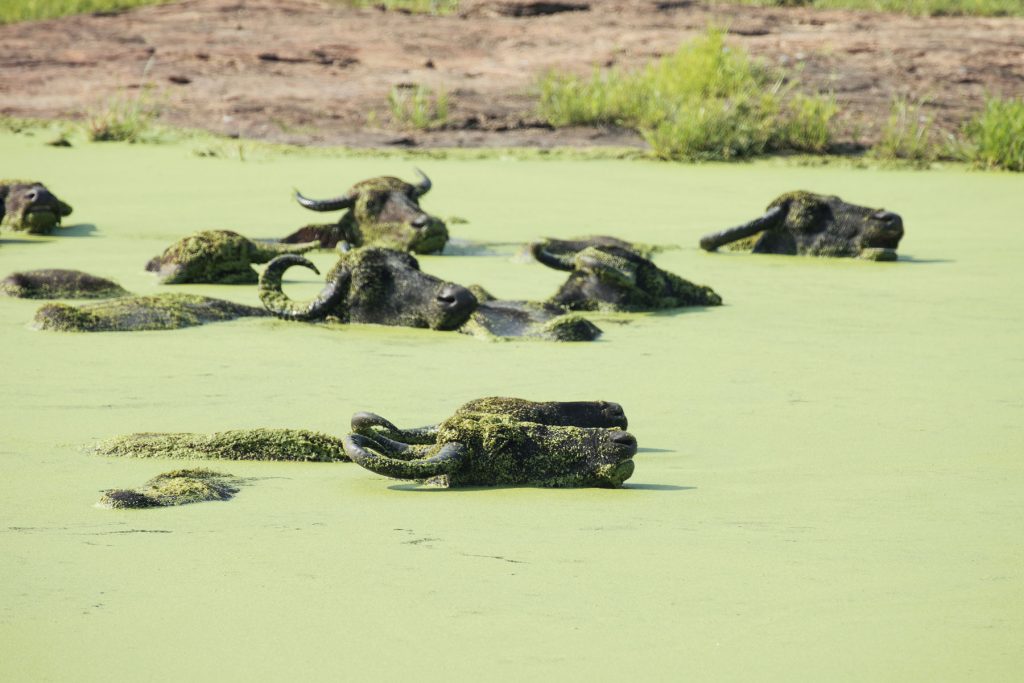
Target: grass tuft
{"x":909,"y":135}
{"x":12,"y":11}
{"x":706,"y":101}
{"x":995,"y":137}
{"x":124,"y":119}
{"x":418,"y":107}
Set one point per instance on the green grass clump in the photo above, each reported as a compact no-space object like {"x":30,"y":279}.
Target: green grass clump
{"x":979,"y":8}
{"x":418,"y":107}
{"x":909,"y":134}
{"x":123,"y":119}
{"x":12,"y":11}
{"x":705,"y":101}
{"x":995,"y":137}
{"x":413,"y":6}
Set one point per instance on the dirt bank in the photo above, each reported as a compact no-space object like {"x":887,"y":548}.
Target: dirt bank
{"x":311,"y":72}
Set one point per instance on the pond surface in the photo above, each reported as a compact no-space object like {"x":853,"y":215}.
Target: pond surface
{"x":828,"y":486}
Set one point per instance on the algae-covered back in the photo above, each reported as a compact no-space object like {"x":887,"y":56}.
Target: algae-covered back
{"x":180,"y":487}
{"x":239,"y":444}
{"x":140,"y":313}
{"x":57,"y":283}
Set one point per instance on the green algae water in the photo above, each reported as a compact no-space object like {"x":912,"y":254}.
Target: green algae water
{"x":828,"y":484}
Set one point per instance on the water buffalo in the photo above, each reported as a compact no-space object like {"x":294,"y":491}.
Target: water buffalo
{"x":619,"y":279}
{"x":26,"y":205}
{"x":372,"y":285}
{"x":815,"y":225}
{"x":387,"y":287}
{"x":487,"y":449}
{"x":553,"y":413}
{"x":56,"y":283}
{"x":179,"y":487}
{"x":136,"y":313}
{"x":382,"y":212}
{"x":217,"y":257}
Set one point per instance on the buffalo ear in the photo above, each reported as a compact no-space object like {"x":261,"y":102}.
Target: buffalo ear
{"x":556,"y":261}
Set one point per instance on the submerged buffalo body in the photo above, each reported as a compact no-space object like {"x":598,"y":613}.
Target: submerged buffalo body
{"x":57,"y":283}
{"x":815,"y":225}
{"x":382,"y":212}
{"x":141,"y":313}
{"x":372,"y":285}
{"x":216,"y":257}
{"x":612,"y":277}
{"x":28,"y":206}
{"x":498,"y":449}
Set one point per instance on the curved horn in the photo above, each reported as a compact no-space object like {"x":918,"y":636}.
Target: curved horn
{"x":278,"y":303}
{"x":765,"y":222}
{"x":365,"y":423}
{"x":550,"y":260}
{"x":447,"y":460}
{"x":345,"y":201}
{"x":424,"y":185}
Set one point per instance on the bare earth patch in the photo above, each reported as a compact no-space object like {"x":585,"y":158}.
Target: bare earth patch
{"x":309,"y":72}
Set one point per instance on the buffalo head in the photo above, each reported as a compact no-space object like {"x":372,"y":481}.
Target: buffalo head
{"x":28,"y":206}
{"x":619,"y":279}
{"x":372,"y":285}
{"x":487,"y":449}
{"x":554,"y":413}
{"x":815,"y":225}
{"x":382,"y":212}
{"x":216,"y":257}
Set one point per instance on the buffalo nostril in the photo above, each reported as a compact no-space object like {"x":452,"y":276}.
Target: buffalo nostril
{"x":31,"y":195}
{"x":456,"y":298}
{"x":624,"y":439}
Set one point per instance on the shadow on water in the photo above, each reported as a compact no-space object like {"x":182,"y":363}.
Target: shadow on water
{"x":420,"y":488}
{"x":655,"y":450}
{"x":76,"y":230}
{"x":657,"y":487}
{"x":910,"y":259}
{"x":457,"y":247}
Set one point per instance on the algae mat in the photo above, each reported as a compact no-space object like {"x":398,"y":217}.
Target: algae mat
{"x":828,"y":485}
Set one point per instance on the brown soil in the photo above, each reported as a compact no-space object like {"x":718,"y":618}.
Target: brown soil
{"x":303,"y":71}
